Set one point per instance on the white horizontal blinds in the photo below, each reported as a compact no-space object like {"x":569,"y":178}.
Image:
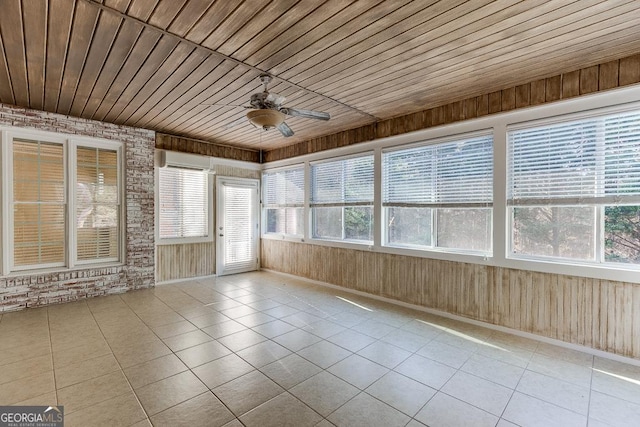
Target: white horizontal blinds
{"x":622,"y":155}
{"x":284,"y":188}
{"x":588,"y":161}
{"x":450,"y":174}
{"x":38,"y":203}
{"x":183,"y":203}
{"x":283,"y":201}
{"x":97,"y":204}
{"x":238,"y":228}
{"x":345,"y":182}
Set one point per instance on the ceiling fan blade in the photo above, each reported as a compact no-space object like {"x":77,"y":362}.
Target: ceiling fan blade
{"x":275,"y":99}
{"x":285,"y":129}
{"x":226,"y":105}
{"x":235,"y":123}
{"x":309,"y":114}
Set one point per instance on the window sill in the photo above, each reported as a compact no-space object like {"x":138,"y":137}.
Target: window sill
{"x":53,"y":270}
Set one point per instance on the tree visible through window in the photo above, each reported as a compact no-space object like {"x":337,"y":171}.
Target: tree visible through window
{"x":342,"y":199}
{"x":571,"y":182}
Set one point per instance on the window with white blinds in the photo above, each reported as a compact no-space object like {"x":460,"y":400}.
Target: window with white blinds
{"x":439,"y":195}
{"x":342,"y":199}
{"x":571,"y":183}
{"x":97,"y":204}
{"x":283,"y":201}
{"x":39,"y":203}
{"x":65,"y":203}
{"x":184,"y":203}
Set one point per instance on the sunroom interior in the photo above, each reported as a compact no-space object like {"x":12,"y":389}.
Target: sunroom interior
{"x":437,"y":225}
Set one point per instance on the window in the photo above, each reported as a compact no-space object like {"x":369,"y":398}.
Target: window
{"x":39,"y":203}
{"x":342,"y":199}
{"x":283,"y":201}
{"x":64,"y":203}
{"x":574,"y":190}
{"x":184,"y":203}
{"x":97,"y":204}
{"x":439,"y":195}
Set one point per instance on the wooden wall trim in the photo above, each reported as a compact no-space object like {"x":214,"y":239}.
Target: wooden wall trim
{"x":597,"y":313}
{"x":609,"y":75}
{"x":194,"y":146}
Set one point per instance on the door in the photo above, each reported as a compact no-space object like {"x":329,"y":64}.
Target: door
{"x":237,"y":225}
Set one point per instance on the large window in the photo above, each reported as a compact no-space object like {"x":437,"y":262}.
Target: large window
{"x":184,"y":203}
{"x":439,"y":195}
{"x":64,"y":202}
{"x":342,"y":199}
{"x":283,"y":201}
{"x":39,"y":204}
{"x":574,"y":190}
{"x":97,"y":204}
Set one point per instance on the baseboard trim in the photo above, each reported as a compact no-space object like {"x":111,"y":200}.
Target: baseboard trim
{"x":553,"y":341}
{"x":186,"y":279}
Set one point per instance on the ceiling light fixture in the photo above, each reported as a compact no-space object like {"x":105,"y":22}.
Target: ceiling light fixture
{"x":265,"y":119}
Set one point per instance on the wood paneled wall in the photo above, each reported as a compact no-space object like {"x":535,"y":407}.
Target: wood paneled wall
{"x":194,"y":146}
{"x":183,"y":261}
{"x":623,"y":72}
{"x":601,"y":314}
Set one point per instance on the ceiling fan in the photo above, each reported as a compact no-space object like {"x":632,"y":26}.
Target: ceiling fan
{"x":267,"y":111}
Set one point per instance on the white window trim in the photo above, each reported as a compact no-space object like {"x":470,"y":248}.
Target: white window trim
{"x":434,"y":221}
{"x":160,"y":241}
{"x":70,"y":143}
{"x":71,"y":204}
{"x":341,"y":243}
{"x":613,"y":100}
{"x":263,"y":209}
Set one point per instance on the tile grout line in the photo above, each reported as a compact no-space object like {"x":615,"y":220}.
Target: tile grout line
{"x":174,"y":353}
{"x":118,"y":362}
{"x":53,"y":365}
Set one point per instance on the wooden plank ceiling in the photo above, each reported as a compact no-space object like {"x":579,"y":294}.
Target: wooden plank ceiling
{"x":161,"y":64}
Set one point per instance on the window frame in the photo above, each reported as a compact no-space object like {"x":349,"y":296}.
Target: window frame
{"x":599,"y":260}
{"x":434,"y":247}
{"x":311,"y":205}
{"x":620,"y":99}
{"x":69,"y":143}
{"x":265,"y":207}
{"x":209,"y":237}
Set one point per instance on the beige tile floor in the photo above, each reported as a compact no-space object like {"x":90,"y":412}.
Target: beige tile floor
{"x":260,"y":349}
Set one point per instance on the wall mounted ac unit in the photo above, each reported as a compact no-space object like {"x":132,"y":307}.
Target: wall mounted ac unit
{"x":184,"y":160}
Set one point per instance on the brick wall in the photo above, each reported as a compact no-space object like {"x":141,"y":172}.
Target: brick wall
{"x":30,"y":290}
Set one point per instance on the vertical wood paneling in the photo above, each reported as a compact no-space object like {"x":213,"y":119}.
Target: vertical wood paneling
{"x":495,"y":102}
{"x":589,"y":80}
{"x":597,"y":313}
{"x":609,"y":72}
{"x":571,"y":84}
{"x":629,"y":70}
{"x":538,"y":92}
{"x":634,"y":320}
{"x":508,"y":99}
{"x":184,"y":261}
{"x":523,"y":96}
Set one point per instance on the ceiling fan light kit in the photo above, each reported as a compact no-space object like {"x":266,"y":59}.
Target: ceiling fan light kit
{"x":268,"y":113}
{"x":265,"y":119}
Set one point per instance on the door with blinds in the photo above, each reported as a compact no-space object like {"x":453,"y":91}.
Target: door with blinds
{"x":237,"y":225}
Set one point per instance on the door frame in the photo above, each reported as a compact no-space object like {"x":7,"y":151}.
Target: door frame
{"x":221,"y":181}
